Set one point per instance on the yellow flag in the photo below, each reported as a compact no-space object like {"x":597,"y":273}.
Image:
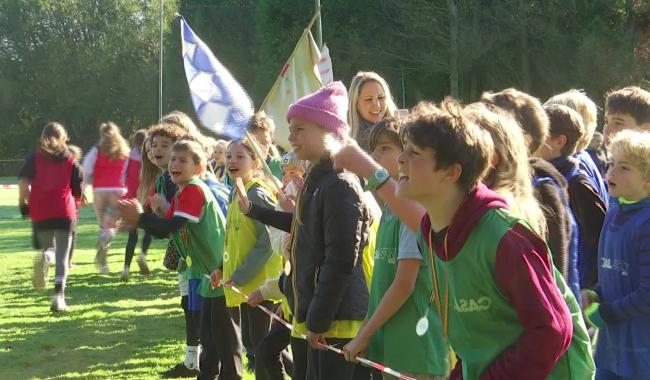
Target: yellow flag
{"x":299,"y":76}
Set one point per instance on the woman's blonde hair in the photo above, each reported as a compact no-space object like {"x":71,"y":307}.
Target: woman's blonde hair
{"x":510,"y":173}
{"x":111,"y":142}
{"x":53,"y":140}
{"x":149,"y":172}
{"x":354,"y":119}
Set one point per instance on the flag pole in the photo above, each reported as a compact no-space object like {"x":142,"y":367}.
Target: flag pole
{"x":319,"y":26}
{"x":311,"y":23}
{"x":160,"y":77}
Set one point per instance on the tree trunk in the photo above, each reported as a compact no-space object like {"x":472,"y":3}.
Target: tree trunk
{"x":453,"y":42}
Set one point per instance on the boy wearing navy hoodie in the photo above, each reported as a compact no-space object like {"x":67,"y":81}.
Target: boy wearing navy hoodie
{"x":620,"y":303}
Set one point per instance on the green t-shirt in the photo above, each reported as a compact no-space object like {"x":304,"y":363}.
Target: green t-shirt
{"x":396,"y":344}
{"x":200,"y":242}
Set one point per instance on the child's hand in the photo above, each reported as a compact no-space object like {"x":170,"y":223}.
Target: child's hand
{"x":83,"y":201}
{"x":354,"y":348}
{"x":130,"y":211}
{"x":215,"y":278}
{"x":244,"y":203}
{"x":159,"y":204}
{"x":255,"y":298}
{"x":287,"y":202}
{"x":352,"y":158}
{"x":588,"y":297}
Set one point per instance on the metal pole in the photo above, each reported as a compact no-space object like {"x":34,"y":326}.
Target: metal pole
{"x":319,"y":26}
{"x":160,"y":78}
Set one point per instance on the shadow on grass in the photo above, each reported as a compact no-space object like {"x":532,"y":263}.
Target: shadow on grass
{"x":113,"y":329}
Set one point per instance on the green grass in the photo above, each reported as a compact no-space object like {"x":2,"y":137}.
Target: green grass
{"x":112,"y":330}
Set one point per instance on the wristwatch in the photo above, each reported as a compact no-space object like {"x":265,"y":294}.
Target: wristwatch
{"x":378,"y":178}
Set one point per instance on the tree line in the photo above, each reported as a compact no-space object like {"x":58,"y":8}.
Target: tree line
{"x":82,"y":62}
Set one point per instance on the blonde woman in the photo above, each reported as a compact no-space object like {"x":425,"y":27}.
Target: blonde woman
{"x":370,"y":101}
{"x":105,"y":167}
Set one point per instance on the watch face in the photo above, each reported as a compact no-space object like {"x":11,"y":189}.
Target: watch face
{"x":381,"y":175}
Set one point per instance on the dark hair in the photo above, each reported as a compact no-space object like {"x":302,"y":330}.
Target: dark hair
{"x":171,"y":131}
{"x":632,"y":100}
{"x":454,"y":139}
{"x":389,"y":127}
{"x":137,"y":138}
{"x":53,"y":140}
{"x":565,"y":121}
{"x":526,"y":110}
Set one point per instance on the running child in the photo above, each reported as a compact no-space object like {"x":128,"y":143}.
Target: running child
{"x":620,"y":303}
{"x":197,"y":227}
{"x":55,"y":179}
{"x":105,"y":167}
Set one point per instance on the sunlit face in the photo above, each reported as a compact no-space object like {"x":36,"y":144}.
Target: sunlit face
{"x":161,"y":149}
{"x":290,"y":171}
{"x":596,"y":142}
{"x":551,"y":148}
{"x":307,"y":140}
{"x":625,"y":180}
{"x":385,"y":153}
{"x":240,"y":163}
{"x":419,"y":179}
{"x":219,"y":154}
{"x":371,"y":103}
{"x":182,"y":167}
{"x":616,"y":122}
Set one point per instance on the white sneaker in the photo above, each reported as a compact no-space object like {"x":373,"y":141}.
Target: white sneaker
{"x":142,"y":263}
{"x":41,"y":269}
{"x":58,"y":303}
{"x":192,"y":357}
{"x":125,"y":274}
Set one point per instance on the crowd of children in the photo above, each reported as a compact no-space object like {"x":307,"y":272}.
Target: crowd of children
{"x":513,"y":237}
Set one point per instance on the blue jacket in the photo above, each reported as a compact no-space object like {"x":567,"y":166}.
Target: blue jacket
{"x":624,"y":289}
{"x":594,"y":176}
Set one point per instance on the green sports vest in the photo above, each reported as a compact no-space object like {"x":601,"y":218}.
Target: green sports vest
{"x":201,"y":244}
{"x":396,"y":343}
{"x":240,"y":240}
{"x":482,"y":322}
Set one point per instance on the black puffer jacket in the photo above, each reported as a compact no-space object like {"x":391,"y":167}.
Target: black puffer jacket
{"x":326,"y":282}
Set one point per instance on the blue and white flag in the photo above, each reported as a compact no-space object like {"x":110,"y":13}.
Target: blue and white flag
{"x":221,"y":104}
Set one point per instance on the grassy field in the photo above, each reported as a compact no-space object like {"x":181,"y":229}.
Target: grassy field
{"x":112,"y":329}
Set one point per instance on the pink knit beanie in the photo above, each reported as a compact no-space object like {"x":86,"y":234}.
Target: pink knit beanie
{"x":327,"y":107}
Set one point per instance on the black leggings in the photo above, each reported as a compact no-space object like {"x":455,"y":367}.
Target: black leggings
{"x":132,"y":242}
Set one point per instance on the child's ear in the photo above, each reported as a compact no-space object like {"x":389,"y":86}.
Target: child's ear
{"x":198,"y":169}
{"x":453,"y":172}
{"x":559,"y":142}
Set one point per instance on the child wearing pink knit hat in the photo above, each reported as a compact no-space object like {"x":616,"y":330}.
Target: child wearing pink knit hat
{"x":324,"y":280}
